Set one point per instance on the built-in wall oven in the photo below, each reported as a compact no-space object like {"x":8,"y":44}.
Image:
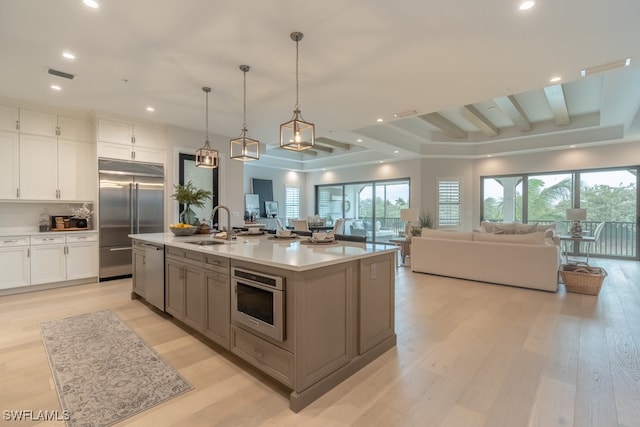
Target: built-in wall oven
{"x":257,"y":302}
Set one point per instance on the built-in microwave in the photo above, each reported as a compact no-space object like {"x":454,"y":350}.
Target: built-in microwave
{"x":257,"y":302}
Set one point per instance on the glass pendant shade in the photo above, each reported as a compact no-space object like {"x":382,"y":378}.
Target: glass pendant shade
{"x":297,"y":134}
{"x":207,"y":157}
{"x":244,"y":148}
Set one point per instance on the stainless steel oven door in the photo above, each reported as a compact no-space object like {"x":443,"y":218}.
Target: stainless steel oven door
{"x":258,"y":307}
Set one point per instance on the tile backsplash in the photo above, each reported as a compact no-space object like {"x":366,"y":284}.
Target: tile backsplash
{"x":25,"y":217}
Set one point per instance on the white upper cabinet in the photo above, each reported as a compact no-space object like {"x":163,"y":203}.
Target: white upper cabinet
{"x":76,"y":170}
{"x":128,"y":141}
{"x":38,"y":123}
{"x":8,"y":118}
{"x":38,"y":167}
{"x":9,"y":170}
{"x":73,"y":128}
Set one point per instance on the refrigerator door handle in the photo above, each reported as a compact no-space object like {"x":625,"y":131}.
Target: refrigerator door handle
{"x":131,"y":208}
{"x":137,"y":208}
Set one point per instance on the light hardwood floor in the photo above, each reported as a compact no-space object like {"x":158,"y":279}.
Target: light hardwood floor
{"x":468,"y":354}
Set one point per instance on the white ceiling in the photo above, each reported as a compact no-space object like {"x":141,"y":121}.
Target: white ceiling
{"x":360,"y":60}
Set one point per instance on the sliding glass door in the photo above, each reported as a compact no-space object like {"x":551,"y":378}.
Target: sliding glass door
{"x":371,"y":209}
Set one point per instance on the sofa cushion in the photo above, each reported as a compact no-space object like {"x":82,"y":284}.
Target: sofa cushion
{"x":442,"y":234}
{"x":536,"y":238}
{"x":504,"y":228}
{"x":486,"y":226}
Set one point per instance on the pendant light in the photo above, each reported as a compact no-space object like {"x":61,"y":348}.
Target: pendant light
{"x":297,"y":134}
{"x":207,"y":157}
{"x":244,"y":148}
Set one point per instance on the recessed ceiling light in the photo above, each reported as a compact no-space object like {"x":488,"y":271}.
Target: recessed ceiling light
{"x":358,"y":140}
{"x":91,"y":3}
{"x":488,"y":155}
{"x":379,"y":120}
{"x":555,"y":79}
{"x":150,"y":109}
{"x":68,"y":55}
{"x":526,"y":5}
{"x":572,"y":146}
{"x":56,"y":88}
{"x":396,"y":151}
{"x":381,"y":161}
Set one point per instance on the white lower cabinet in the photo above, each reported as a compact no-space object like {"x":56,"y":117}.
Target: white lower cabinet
{"x":14,"y":262}
{"x":47,"y":258}
{"x":48,"y":261}
{"x":82,"y":256}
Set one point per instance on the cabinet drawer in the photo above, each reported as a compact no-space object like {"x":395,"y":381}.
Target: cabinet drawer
{"x":270,"y":359}
{"x":191,"y":257}
{"x":14,"y":241}
{"x":217,"y":263}
{"x":84,"y":237}
{"x":47,"y":240}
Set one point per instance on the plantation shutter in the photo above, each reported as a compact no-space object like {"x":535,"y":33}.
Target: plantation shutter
{"x":449,"y":203}
{"x":291,"y":203}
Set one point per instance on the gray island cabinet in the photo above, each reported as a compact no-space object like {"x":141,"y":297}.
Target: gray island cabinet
{"x":337,"y":305}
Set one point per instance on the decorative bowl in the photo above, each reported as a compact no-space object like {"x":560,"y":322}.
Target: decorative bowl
{"x":184,"y":231}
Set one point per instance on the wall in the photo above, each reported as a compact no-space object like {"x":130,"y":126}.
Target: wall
{"x":280,"y":178}
{"x":180,"y":140}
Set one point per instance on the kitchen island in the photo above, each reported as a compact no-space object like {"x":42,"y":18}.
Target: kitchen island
{"x":307,"y":315}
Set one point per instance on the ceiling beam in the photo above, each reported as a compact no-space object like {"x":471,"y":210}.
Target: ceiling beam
{"x":511,"y":107}
{"x":558,"y":104}
{"x":442,"y":123}
{"x":476,"y":118}
{"x":333,"y":143}
{"x":319,"y":147}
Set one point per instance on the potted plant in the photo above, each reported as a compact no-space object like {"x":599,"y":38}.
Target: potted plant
{"x":426,"y":221}
{"x":82,"y":215}
{"x":189,"y":195}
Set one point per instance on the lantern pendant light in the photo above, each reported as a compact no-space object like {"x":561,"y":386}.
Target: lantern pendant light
{"x":207,"y":157}
{"x":244,"y":148}
{"x":297,"y":134}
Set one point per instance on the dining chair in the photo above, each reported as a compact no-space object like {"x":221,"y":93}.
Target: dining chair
{"x":595,"y":240}
{"x":338,"y":226}
{"x":360,"y":240}
{"x":300,"y":225}
{"x":279,"y":224}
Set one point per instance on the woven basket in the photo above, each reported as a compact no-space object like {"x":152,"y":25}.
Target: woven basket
{"x":582,"y":279}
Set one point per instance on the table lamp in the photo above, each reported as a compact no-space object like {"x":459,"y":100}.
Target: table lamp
{"x":576,"y":215}
{"x":408,"y":215}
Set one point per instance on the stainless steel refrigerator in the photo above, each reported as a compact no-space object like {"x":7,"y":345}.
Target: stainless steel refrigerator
{"x":131,"y":201}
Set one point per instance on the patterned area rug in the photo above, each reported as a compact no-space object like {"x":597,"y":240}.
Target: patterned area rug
{"x":103,"y":371}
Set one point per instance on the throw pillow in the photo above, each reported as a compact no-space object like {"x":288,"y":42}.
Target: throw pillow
{"x":526,"y":228}
{"x":504,"y":228}
{"x":486,"y":226}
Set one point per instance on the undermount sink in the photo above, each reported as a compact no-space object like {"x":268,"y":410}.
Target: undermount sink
{"x":206,"y":242}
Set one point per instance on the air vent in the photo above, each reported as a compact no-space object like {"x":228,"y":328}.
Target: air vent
{"x":605,"y":67}
{"x":60,"y":74}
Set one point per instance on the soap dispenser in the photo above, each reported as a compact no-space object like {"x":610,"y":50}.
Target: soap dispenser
{"x":45,"y":221}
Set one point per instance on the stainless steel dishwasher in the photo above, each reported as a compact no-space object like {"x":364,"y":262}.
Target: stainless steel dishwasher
{"x":148,"y":272}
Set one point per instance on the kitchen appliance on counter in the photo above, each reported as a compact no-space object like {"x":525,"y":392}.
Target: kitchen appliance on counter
{"x":131,"y":201}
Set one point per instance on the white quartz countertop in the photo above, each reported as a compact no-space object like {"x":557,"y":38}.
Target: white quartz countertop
{"x":14,"y":233}
{"x":289,"y":254}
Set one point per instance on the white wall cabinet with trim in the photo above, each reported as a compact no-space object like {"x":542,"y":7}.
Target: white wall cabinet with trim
{"x":14,"y":262}
{"x":9,"y":171}
{"x":9,"y":118}
{"x":128,"y":141}
{"x":56,"y":160}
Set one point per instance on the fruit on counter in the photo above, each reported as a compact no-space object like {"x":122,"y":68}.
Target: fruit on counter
{"x":180,"y":225}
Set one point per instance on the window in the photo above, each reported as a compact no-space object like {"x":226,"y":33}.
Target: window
{"x":449,"y":202}
{"x":291,"y":203}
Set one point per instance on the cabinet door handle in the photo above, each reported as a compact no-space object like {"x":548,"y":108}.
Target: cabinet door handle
{"x":17,"y":193}
{"x":29,"y":253}
{"x":10,"y":241}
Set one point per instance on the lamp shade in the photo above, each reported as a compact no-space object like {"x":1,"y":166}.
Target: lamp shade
{"x":408,"y":215}
{"x":576,"y":214}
